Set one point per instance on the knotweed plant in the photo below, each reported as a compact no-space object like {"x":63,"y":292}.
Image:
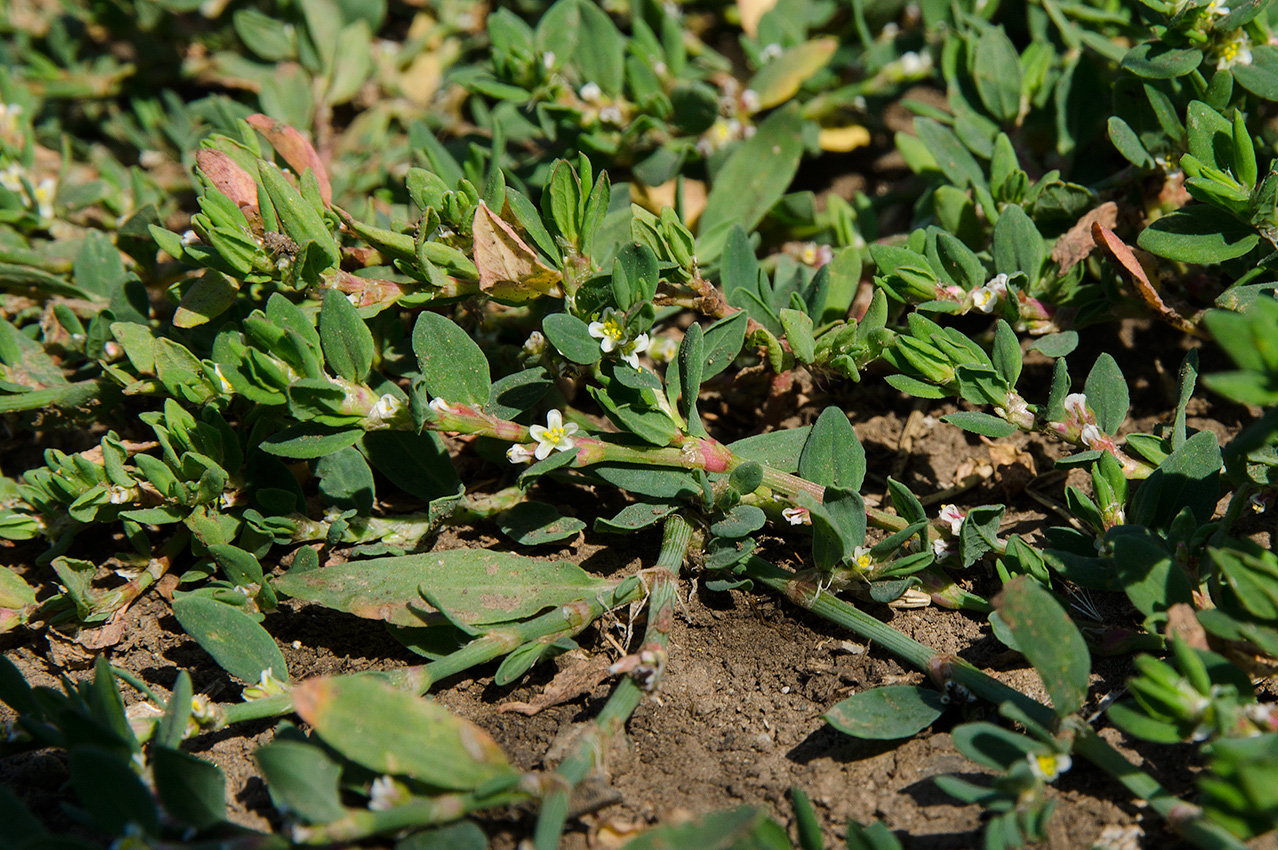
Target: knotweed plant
{"x":279,"y":277}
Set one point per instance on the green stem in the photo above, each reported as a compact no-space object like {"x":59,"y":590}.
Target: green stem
{"x":1185,"y":818}
{"x":662,"y":583}
{"x":419,"y":812}
{"x":69,"y":395}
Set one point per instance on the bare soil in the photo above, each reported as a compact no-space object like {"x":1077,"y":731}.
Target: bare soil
{"x":737,"y":718}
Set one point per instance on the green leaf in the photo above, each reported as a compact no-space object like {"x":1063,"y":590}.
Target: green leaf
{"x":993,"y":746}
{"x":981,"y":423}
{"x":463,"y":835}
{"x":723,"y":341}
{"x":477,"y":586}
{"x":1018,"y":246}
{"x":211,"y":295}
{"x":237,"y":643}
{"x":601,"y":49}
{"x":1198,"y":234}
{"x":739,"y":522}
{"x":571,"y":336}
{"x":648,"y":481}
{"x":1127,"y":143}
{"x":1261,"y":76}
{"x":305,"y":441}
{"x":997,"y":74}
{"x":110,"y":791}
{"x":302,"y":778}
{"x":778,"y":449}
{"x":838,"y":527}
{"x":956,"y":163}
{"x":1157,"y":61}
{"x":533,"y":523}
{"x":1057,"y":344}
{"x":415,"y":463}
{"x":1188,"y":478}
{"x":395,"y":732}
{"x":832,"y":455}
{"x":301,"y":221}
{"x":1106,"y":391}
{"x":345,"y":481}
{"x":887,"y":713}
{"x":1049,"y":640}
{"x":453,"y":365}
{"x":798,"y":332}
{"x":691,"y":359}
{"x":192,"y":790}
{"x":347,"y":341}
{"x":171,"y":728}
{"x":757,"y":173}
{"x":1210,"y":136}
{"x":634,"y":517}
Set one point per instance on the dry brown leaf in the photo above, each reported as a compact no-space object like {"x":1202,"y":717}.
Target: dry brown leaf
{"x":1131,"y":268}
{"x":1182,"y":622}
{"x":296,"y":150}
{"x":579,"y":677}
{"x":1075,"y":246}
{"x":508,"y":267}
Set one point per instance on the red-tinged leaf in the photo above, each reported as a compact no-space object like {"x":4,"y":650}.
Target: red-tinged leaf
{"x":1130,"y":266}
{"x":228,"y":178}
{"x":296,"y":150}
{"x":396,"y":732}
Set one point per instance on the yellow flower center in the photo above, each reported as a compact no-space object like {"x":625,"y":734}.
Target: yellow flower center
{"x":613,"y":329}
{"x":554,"y":435}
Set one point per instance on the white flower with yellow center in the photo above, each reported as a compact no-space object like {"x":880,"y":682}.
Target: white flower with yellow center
{"x":631,"y":349}
{"x":519,"y":453}
{"x":954,"y":516}
{"x":11,"y":177}
{"x":1235,"y":51}
{"x":44,"y":195}
{"x":554,"y":436}
{"x":1075,"y":405}
{"x":797,"y":516}
{"x":386,"y":794}
{"x":1050,"y":765}
{"x":611,"y":331}
{"x":861,"y":558}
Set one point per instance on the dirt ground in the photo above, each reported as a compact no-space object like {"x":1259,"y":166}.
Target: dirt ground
{"x":737,"y":718}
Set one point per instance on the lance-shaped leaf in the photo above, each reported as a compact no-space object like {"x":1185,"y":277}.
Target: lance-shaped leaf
{"x":295,"y":149}
{"x":756,"y":175}
{"x":1050,"y":641}
{"x":347,"y":341}
{"x":882,"y":714}
{"x":237,"y":643}
{"x":302,"y":777}
{"x":508,"y":268}
{"x":475,"y":586}
{"x":301,"y":220}
{"x":832,"y":454}
{"x":453,"y":365}
{"x":395,"y":732}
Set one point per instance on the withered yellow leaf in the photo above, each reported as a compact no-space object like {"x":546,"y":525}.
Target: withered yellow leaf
{"x":508,"y":268}
{"x":843,"y":139}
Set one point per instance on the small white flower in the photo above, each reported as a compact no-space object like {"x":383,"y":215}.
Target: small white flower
{"x":9,"y":114}
{"x":190,"y":237}
{"x":954,"y":516}
{"x":387,"y":407}
{"x":750,"y":100}
{"x":385,"y":794}
{"x":1048,"y":767}
{"x":797,"y":516}
{"x":998,"y":284}
{"x":1235,"y":51}
{"x":1090,"y":436}
{"x":861,"y":558}
{"x":44,"y":194}
{"x":940,"y":547}
{"x":914,"y":64}
{"x":663,"y":349}
{"x":890,"y":30}
{"x":535,"y":344}
{"x":984,"y":299}
{"x":611,"y":115}
{"x":611,"y":332}
{"x":770,"y":52}
{"x":266,"y":686}
{"x":590,"y":92}
{"x":548,"y":59}
{"x":631,"y":350}
{"x":1075,"y":405}
{"x":554,"y":436}
{"x":519,"y":453}
{"x":11,"y":177}
{"x":440,"y":406}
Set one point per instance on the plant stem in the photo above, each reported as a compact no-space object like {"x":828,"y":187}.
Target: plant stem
{"x":1184,"y":817}
{"x":662,"y":588}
